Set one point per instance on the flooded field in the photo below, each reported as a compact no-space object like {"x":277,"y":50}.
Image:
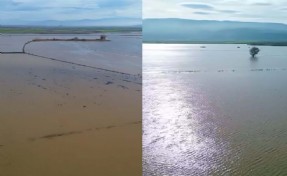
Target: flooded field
{"x":66,"y":119}
{"x":214,"y":110}
{"x":122,"y":53}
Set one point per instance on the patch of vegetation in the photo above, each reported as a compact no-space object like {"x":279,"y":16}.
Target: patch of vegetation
{"x":254,"y":51}
{"x":269,"y":43}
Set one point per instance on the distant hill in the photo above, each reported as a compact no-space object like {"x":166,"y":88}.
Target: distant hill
{"x":184,"y":30}
{"x":112,"y":22}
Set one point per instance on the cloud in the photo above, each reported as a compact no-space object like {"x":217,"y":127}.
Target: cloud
{"x":232,"y":10}
{"x":228,"y":11}
{"x":261,"y":4}
{"x":35,"y":10}
{"x":197,"y":6}
{"x":206,"y":7}
{"x":201,"y":13}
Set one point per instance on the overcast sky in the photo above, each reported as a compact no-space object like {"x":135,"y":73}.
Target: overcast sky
{"x":38,"y":10}
{"x":236,"y":10}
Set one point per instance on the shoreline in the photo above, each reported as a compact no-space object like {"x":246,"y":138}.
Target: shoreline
{"x":220,"y":43}
{"x":67,"y":30}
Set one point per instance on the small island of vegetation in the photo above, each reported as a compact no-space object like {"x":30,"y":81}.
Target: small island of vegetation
{"x":254,"y":51}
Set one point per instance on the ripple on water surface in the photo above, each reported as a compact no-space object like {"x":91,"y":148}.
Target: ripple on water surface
{"x":213,"y":123}
{"x":181,"y":134}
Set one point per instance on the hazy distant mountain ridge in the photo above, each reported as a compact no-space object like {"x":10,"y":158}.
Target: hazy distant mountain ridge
{"x":169,"y":30}
{"x":84,"y":22}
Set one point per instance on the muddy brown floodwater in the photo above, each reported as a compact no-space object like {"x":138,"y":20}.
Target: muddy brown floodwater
{"x":64,"y":119}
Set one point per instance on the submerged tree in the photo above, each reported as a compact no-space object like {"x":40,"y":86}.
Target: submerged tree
{"x":253,"y":51}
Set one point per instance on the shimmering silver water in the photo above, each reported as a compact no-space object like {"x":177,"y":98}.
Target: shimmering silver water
{"x":214,"y":110}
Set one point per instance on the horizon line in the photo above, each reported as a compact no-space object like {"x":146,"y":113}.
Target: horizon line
{"x":216,"y":20}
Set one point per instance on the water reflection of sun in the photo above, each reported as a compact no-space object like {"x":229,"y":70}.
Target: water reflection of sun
{"x":179,"y":128}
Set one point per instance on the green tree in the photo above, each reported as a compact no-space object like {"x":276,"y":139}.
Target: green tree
{"x":253,"y":51}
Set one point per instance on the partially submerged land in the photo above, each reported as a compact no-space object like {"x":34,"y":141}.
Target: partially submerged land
{"x":75,"y":39}
{"x":65,"y":116}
